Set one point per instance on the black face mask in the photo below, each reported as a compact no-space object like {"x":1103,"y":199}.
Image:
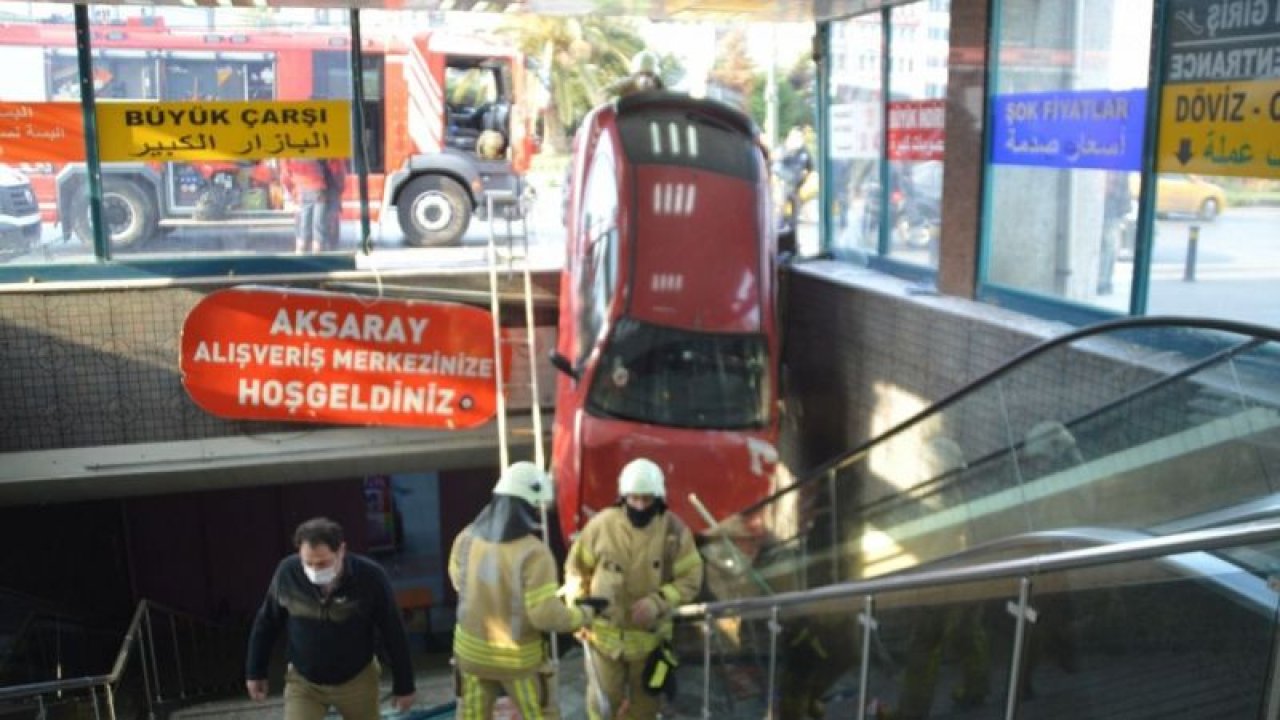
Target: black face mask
{"x":641,"y":518}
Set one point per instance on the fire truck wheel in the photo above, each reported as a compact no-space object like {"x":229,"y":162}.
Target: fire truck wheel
{"x":433,"y":210}
{"x":128,"y":213}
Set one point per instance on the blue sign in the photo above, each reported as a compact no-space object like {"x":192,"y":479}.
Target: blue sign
{"x":1100,"y":129}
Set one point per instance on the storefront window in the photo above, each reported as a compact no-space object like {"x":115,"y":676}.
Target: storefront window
{"x":1217,"y":195}
{"x":855,"y":124}
{"x":42,"y":132}
{"x":1067,"y":128}
{"x":211,"y":122}
{"x":907,"y":188}
{"x":918,"y":50}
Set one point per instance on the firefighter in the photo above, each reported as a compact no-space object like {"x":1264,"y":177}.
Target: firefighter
{"x":644,"y":74}
{"x":643,"y":561}
{"x":506,"y":582}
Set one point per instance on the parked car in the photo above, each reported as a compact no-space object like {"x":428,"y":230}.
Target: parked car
{"x":19,"y":212}
{"x":1183,"y":194}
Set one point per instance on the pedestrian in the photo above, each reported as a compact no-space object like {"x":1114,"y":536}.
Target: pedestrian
{"x":1117,"y":204}
{"x":335,"y":607}
{"x":506,"y":582}
{"x":642,"y":559}
{"x":315,"y":186}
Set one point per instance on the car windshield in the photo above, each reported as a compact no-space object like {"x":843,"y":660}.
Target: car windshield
{"x":681,"y":378}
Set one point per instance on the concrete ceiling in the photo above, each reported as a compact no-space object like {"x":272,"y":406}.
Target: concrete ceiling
{"x":674,"y":10}
{"x":57,"y":476}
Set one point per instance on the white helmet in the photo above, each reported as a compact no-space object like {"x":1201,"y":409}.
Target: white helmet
{"x":642,"y":477}
{"x":524,"y":480}
{"x":645,"y":62}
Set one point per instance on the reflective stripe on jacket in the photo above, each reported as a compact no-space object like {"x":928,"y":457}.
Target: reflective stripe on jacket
{"x":617,"y":561}
{"x":506,"y":601}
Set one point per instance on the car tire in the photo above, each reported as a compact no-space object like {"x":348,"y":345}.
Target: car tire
{"x":433,"y":210}
{"x":1209,"y":209}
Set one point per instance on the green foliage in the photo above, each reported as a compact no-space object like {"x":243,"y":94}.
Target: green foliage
{"x":581,"y":57}
{"x":797,"y":95}
{"x":795,"y":106}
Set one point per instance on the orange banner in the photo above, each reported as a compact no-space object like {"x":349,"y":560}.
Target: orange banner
{"x":32,"y":132}
{"x":266,"y":354}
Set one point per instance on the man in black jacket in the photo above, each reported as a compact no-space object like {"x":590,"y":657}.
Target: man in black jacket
{"x":334,"y":606}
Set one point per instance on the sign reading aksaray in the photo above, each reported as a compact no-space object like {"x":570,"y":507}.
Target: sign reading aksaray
{"x":269,"y":354}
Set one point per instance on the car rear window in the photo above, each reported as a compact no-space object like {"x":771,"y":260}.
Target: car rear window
{"x":689,"y":137}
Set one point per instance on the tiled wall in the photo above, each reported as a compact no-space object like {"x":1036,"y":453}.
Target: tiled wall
{"x":865,"y":351}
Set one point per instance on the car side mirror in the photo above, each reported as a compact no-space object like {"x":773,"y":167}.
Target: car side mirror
{"x":562,"y":364}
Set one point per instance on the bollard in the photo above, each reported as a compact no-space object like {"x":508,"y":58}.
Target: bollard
{"x":1193,"y":245}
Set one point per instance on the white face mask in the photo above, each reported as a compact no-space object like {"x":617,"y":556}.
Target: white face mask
{"x":321,"y":576}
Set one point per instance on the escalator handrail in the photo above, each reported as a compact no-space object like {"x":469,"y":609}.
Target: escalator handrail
{"x":846,"y":459}
{"x":1111,"y":553}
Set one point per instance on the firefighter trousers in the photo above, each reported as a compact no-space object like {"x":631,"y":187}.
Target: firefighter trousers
{"x":620,"y":680}
{"x":532,"y":694}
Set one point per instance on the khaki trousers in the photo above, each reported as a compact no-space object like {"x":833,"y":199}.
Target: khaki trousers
{"x":355,"y":699}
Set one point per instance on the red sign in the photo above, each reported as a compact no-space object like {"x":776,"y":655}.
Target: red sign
{"x":32,"y":132}
{"x":265,"y":354}
{"x":917,"y":130}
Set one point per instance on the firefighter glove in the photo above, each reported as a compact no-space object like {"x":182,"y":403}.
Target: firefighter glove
{"x":644,"y":612}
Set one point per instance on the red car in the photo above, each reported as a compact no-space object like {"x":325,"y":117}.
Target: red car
{"x":668,"y":342}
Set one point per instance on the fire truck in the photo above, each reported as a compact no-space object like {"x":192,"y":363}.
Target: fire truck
{"x":428,"y":99}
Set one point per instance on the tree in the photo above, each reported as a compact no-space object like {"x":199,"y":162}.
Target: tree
{"x":579,"y":58}
{"x":797,"y":99}
{"x":734,"y":75}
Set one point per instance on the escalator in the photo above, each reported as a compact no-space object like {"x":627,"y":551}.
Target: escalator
{"x":1121,"y":433}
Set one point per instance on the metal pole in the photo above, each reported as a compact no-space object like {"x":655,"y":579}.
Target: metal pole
{"x":497,"y":341}
{"x":93,"y":695}
{"x":706,"y":668}
{"x":1273,"y":686}
{"x":177,"y":657}
{"x":93,"y":166}
{"x":833,"y":514}
{"x":358,"y":149}
{"x":1025,"y":614}
{"x":151,"y":650}
{"x":111,"y":701}
{"x":142,"y":661}
{"x":1193,"y":249}
{"x":867,"y":620}
{"x":774,"y":629}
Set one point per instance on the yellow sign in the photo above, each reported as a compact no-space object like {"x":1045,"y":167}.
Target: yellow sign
{"x":165,"y":131}
{"x":1229,"y":128}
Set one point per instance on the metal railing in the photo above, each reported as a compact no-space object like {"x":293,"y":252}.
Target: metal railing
{"x":179,"y":657}
{"x":1024,"y":570}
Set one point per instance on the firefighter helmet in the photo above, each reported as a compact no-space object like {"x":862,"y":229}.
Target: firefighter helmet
{"x":642,"y":477}
{"x":490,"y":145}
{"x":524,"y":480}
{"x":645,"y":62}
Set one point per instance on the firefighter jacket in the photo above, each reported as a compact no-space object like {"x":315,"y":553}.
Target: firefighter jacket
{"x":506,"y":601}
{"x":617,"y":561}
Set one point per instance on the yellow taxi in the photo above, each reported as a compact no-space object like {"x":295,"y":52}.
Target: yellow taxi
{"x":1183,"y":194}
